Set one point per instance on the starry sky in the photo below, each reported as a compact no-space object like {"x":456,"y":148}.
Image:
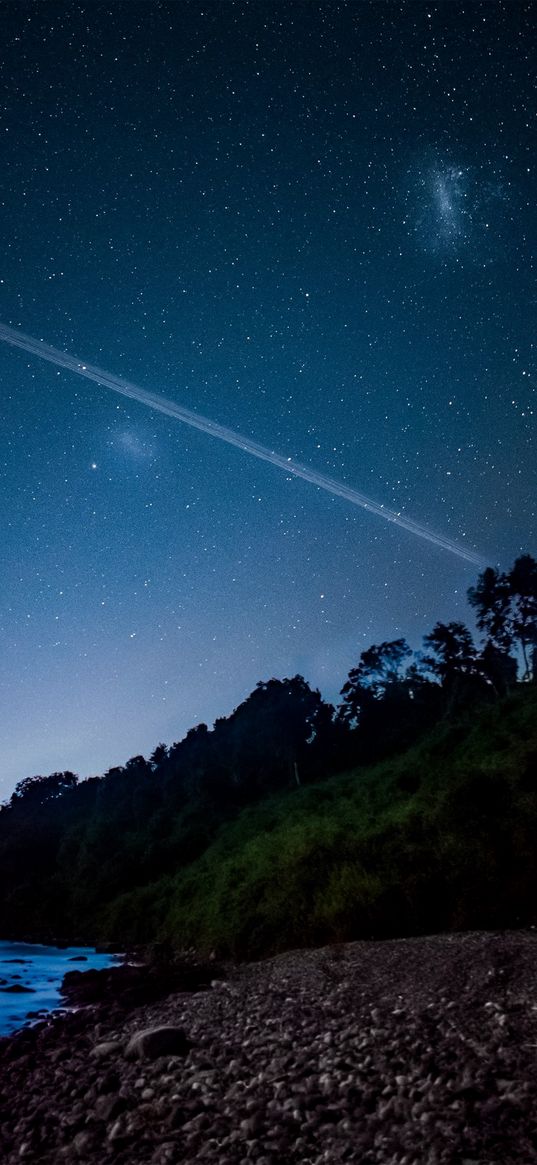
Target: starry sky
{"x":312,"y":221}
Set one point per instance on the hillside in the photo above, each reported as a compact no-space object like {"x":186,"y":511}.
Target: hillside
{"x":439,"y":838}
{"x":410,"y":808}
{"x":436,"y":837}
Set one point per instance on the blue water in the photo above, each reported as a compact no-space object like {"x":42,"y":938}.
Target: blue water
{"x":41,"y":969}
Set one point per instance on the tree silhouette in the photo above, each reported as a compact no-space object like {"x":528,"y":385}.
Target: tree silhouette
{"x":158,"y":757}
{"x":39,"y":790}
{"x":453,"y":659}
{"x":267,"y":741}
{"x":378,"y":670}
{"x":523,"y":590}
{"x":385,"y":705}
{"x":499,"y":668}
{"x":491,"y":598}
{"x":506,"y":610}
{"x":453,"y":651}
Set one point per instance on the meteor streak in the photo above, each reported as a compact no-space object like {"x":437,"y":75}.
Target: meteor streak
{"x":196,"y":421}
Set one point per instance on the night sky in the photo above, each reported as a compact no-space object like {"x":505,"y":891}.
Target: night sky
{"x":311,"y":221}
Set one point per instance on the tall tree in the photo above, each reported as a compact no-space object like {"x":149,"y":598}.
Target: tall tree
{"x":499,"y":668}
{"x":451,"y":652}
{"x":453,"y":659}
{"x":379,"y":669}
{"x":385,"y":704}
{"x":506,"y":610}
{"x":158,"y":757}
{"x":491,"y":598}
{"x":523,"y":590}
{"x":267,"y":738}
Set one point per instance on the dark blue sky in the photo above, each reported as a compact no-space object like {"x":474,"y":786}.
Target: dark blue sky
{"x":313,"y":222}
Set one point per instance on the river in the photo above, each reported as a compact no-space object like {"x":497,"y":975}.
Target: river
{"x":30,"y":979}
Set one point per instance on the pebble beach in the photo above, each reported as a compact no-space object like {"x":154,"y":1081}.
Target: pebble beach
{"x":419,"y":1051}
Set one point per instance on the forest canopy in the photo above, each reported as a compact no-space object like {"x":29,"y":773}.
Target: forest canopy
{"x":70,"y":849}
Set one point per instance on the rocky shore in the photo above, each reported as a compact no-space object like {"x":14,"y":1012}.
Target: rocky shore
{"x":408,"y":1052}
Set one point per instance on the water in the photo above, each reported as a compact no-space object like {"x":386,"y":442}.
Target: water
{"x":41,"y":969}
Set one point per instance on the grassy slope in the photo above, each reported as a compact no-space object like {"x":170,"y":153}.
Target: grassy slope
{"x":442,"y":837}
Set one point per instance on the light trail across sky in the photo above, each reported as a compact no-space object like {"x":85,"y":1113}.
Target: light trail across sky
{"x":169,"y":408}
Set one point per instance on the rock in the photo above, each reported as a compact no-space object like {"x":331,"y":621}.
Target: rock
{"x":177,"y":1117}
{"x":250,"y":1125}
{"x":262,"y":1085}
{"x":82,"y":1142}
{"x":130,"y":985}
{"x":108,"y":1108}
{"x":117,"y":1131}
{"x":19,"y":989}
{"x":108,"y":1083}
{"x":153,"y":1042}
{"x":106,"y":1048}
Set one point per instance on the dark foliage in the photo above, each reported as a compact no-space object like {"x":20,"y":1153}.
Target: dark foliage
{"x":506,"y":610}
{"x":105,"y":857}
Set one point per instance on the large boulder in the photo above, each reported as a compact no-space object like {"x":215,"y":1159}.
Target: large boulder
{"x":153,"y":1042}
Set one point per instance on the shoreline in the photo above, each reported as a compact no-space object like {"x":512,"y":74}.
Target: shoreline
{"x":31,"y":977}
{"x":366,"y":1052}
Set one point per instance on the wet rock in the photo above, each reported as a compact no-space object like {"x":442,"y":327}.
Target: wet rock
{"x":132,"y":986}
{"x":18,"y":989}
{"x":158,"y":1041}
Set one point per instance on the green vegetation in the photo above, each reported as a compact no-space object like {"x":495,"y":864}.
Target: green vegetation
{"x":444,"y":837}
{"x":410,"y":809}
